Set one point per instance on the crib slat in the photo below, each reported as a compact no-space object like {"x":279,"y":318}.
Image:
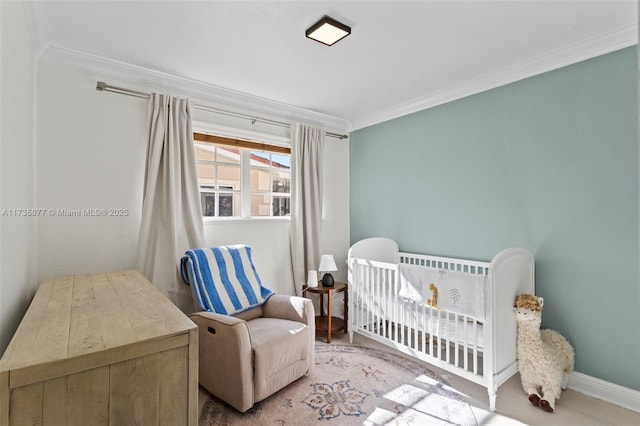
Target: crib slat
{"x":356,"y":290}
{"x":431,"y":335}
{"x":416,"y":326}
{"x":375,"y":313}
{"x":383,"y":277}
{"x":391,"y":309}
{"x":447,"y":334}
{"x":363,"y":306}
{"x":396,"y":316}
{"x":466,"y":345}
{"x":404,"y":312}
{"x":365,"y":297}
{"x":423,"y":327}
{"x":475,"y":347}
{"x":363,"y":303}
{"x":386,"y":297}
{"x":401,"y":321}
{"x":456,"y":332}
{"x":376,"y":296}
{"x":372,"y":301}
{"x":381,"y":281}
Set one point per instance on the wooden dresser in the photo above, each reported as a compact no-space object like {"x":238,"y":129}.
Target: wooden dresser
{"x":101,"y":349}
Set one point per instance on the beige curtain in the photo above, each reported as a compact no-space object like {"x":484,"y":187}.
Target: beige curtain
{"x":306,"y":201}
{"x":171,"y":213}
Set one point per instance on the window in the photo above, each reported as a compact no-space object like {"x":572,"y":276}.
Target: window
{"x":219,"y":179}
{"x":242,"y":179}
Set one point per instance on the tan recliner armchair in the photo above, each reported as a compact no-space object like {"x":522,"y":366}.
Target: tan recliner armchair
{"x":246,"y":356}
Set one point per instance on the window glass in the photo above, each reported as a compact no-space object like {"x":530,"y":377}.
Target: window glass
{"x":228,"y":155}
{"x":270,"y":174}
{"x":221,"y":170}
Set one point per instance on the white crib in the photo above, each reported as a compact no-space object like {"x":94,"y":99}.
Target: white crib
{"x":480,"y":350}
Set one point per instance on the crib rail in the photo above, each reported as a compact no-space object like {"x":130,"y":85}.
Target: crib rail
{"x":451,"y":264}
{"x":448,"y":340}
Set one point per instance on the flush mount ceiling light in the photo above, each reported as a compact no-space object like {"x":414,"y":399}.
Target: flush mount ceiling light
{"x":328,"y":31}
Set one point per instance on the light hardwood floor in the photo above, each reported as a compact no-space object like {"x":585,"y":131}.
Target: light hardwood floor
{"x":513,"y":407}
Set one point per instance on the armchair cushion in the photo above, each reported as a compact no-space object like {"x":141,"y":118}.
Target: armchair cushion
{"x":280,"y":353}
{"x":223,"y":279}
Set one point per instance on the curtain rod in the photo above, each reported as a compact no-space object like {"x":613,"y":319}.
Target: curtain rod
{"x":102,"y":86}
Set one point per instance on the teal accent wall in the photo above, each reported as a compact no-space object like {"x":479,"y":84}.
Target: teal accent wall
{"x":549,"y":163}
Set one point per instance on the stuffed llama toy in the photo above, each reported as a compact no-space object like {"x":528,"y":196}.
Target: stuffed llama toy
{"x":545,"y":357}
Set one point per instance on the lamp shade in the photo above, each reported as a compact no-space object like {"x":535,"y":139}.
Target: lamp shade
{"x":327,"y":263}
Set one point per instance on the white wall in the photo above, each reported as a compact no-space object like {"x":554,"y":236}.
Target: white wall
{"x":269,"y":241}
{"x":91,"y":150}
{"x":17,"y":250}
{"x":335,"y":216}
{"x":90,"y":155}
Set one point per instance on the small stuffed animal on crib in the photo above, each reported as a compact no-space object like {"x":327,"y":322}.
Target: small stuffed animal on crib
{"x":433,"y":302}
{"x":545,"y":357}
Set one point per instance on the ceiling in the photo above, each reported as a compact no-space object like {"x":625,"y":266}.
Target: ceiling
{"x":402,"y":56}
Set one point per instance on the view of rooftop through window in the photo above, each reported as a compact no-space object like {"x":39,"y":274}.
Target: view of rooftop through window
{"x":222,"y":170}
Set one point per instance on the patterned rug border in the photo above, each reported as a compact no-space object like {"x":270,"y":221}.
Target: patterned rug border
{"x":383,"y":354}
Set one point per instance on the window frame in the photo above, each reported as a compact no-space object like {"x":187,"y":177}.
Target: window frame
{"x":245,"y":147}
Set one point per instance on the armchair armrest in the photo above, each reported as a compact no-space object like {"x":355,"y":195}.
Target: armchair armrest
{"x":292,"y":308}
{"x":226,"y":365}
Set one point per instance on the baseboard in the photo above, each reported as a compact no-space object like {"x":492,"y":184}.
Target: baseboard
{"x":606,"y":391}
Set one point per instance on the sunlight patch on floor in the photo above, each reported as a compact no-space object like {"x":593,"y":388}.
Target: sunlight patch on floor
{"x":423,"y":406}
{"x":432,"y":382}
{"x":426,"y":406}
{"x":446,"y":408}
{"x":415,"y":417}
{"x":406,"y":395}
{"x":380,"y":416}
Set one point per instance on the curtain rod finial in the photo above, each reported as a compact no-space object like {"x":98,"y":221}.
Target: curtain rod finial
{"x":101,"y":85}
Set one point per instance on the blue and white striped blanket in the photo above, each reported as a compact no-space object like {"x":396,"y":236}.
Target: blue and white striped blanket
{"x":223,"y":279}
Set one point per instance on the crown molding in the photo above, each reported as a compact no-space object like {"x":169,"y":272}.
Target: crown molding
{"x":571,"y":54}
{"x":158,"y":80}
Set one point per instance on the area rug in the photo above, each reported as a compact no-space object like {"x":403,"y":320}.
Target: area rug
{"x":352,"y":385}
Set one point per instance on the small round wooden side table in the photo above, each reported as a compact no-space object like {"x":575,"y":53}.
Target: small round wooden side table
{"x":327,"y":323}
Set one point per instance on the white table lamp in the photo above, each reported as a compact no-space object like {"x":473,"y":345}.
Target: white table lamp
{"x":327,"y":264}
